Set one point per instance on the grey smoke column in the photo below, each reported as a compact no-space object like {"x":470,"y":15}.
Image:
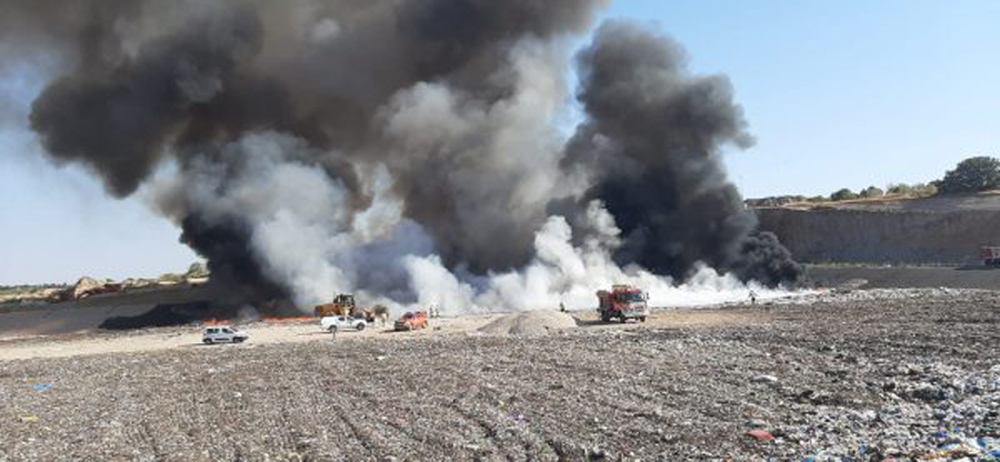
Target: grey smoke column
{"x":455,"y":99}
{"x":651,"y":143}
{"x":116,"y":114}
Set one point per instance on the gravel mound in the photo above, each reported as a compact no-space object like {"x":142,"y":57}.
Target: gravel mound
{"x":529,"y":323}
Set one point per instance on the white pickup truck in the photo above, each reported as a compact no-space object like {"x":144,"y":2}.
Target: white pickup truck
{"x":335,"y":323}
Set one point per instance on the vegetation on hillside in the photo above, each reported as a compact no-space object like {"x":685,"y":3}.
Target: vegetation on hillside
{"x":892,"y":191}
{"x":22,"y":289}
{"x":197,"y":270}
{"x":914,"y":190}
{"x":843,"y":195}
{"x":971,"y":175}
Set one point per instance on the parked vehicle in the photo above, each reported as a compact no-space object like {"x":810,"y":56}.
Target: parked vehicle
{"x":223,"y":334}
{"x":346,"y":305}
{"x":333,"y":323}
{"x":623,"y":302}
{"x":991,"y":255}
{"x":342,"y":305}
{"x":412,"y":320}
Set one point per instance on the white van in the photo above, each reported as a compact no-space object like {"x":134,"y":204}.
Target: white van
{"x":220,"y":334}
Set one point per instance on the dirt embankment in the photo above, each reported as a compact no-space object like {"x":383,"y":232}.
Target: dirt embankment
{"x":17,"y":320}
{"x":935,"y":230}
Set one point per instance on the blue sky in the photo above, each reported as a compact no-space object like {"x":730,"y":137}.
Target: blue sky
{"x":846,"y":93}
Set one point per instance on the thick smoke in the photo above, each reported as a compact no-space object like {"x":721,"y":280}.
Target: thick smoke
{"x":650,"y":145}
{"x":407,"y":150}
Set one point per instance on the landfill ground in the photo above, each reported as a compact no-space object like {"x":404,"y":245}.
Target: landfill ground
{"x":911,"y":374}
{"x":895,"y":277}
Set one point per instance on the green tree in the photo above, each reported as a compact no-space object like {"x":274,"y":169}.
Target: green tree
{"x":971,"y":175}
{"x":899,"y":188}
{"x":172,"y":277}
{"x":871,"y":191}
{"x":197,"y":270}
{"x":843,"y":195}
{"x":925,"y":189}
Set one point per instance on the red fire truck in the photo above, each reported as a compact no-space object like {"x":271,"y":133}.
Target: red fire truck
{"x":623,"y":302}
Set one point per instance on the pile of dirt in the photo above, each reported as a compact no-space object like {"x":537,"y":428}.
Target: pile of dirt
{"x":86,"y":287}
{"x":173,"y":314}
{"x":529,"y":323}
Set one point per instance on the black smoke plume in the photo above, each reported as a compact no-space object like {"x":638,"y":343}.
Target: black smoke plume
{"x":651,"y":140}
{"x":322,"y":140}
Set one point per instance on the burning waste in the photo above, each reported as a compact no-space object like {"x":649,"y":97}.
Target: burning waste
{"x":410,"y":151}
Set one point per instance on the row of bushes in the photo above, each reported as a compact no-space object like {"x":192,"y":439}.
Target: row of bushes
{"x":970,"y":175}
{"x":28,"y":288}
{"x":196,"y":270}
{"x":896,"y":189}
{"x":871,"y":192}
{"x":974,"y":174}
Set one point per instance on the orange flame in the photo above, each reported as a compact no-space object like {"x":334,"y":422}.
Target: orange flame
{"x":269,"y":319}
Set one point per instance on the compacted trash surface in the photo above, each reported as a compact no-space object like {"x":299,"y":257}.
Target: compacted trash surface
{"x":864,"y":376}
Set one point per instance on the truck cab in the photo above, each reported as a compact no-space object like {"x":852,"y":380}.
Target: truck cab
{"x":623,"y":302}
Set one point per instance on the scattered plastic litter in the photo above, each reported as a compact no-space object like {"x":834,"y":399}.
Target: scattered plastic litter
{"x":862,"y":405}
{"x":761,"y":435}
{"x":764,"y":378}
{"x":42,"y":387}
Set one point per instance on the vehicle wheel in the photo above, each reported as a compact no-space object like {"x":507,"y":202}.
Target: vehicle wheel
{"x":332,"y":329}
{"x":642,"y":319}
{"x":207,"y":341}
{"x":605,"y":318}
{"x":238,"y":340}
{"x":361,"y":327}
{"x":622,"y":319}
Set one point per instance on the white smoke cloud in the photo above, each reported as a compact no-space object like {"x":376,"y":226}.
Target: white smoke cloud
{"x":498,"y":162}
{"x":324,"y":31}
{"x":302,"y":230}
{"x":562,"y":273}
{"x":304,"y":234}
{"x":501,"y":156}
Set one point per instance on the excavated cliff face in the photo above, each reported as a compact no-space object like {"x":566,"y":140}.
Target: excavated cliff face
{"x":912,"y":235}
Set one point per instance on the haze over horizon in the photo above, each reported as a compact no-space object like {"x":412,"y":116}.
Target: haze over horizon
{"x":837,"y":95}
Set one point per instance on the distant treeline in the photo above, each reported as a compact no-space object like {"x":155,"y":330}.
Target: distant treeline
{"x":971,"y":175}
{"x":28,"y":288}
